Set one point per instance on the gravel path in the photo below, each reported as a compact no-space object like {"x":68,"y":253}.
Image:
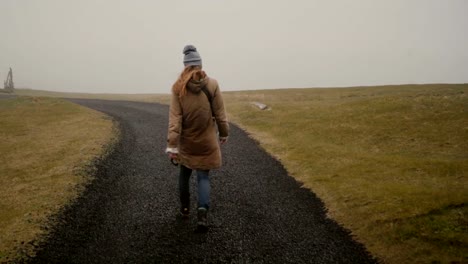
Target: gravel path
{"x":6,"y":96}
{"x":128,"y":214}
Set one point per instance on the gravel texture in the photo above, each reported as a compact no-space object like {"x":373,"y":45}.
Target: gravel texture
{"x":128,"y":214}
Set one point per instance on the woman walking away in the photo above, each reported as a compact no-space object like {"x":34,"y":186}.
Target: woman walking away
{"x":197,"y":127}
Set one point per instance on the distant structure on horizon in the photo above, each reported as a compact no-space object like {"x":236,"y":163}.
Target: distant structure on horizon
{"x":8,"y":84}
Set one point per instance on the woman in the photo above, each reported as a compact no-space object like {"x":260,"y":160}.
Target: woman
{"x":195,"y":115}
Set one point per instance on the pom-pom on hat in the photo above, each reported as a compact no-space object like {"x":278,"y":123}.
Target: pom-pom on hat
{"x":191,"y":58}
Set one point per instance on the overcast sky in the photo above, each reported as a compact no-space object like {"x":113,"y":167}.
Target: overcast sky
{"x":118,"y":46}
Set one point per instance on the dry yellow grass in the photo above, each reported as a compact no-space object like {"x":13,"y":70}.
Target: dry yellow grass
{"x":45,"y":144}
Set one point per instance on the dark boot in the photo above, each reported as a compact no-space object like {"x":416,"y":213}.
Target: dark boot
{"x":202,"y":223}
{"x":185,"y":205}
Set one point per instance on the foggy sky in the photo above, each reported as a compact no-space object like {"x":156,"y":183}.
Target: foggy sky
{"x":117,"y":46}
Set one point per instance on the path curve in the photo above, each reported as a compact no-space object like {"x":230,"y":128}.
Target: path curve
{"x":128,"y":214}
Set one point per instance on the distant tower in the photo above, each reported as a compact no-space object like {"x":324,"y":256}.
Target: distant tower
{"x":8,"y":84}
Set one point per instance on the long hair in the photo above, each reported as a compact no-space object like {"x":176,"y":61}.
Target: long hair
{"x":189,"y":72}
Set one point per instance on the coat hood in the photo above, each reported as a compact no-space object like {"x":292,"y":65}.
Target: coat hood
{"x":196,"y":86}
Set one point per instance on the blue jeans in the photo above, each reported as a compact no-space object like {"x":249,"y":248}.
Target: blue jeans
{"x":203,"y":187}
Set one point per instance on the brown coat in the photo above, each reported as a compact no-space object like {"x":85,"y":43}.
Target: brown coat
{"x":192,"y":128}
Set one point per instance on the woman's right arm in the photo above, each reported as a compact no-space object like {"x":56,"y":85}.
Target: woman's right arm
{"x":220,"y":114}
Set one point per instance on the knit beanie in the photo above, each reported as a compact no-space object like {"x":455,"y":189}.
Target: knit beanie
{"x":191,"y":58}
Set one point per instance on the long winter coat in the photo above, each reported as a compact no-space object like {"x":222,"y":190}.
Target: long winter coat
{"x":193,"y":128}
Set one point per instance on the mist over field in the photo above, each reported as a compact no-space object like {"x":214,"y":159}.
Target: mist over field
{"x":112,"y":46}
{"x":388,"y":163}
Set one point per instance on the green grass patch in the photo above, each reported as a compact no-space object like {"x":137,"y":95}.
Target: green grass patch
{"x":46,"y":144}
{"x":439,"y":236}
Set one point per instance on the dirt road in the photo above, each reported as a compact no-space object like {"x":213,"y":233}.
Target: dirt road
{"x":128,"y":214}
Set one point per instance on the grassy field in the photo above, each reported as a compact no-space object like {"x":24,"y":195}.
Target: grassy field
{"x":159,"y":98}
{"x":46,"y":151}
{"x":390,"y":162}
